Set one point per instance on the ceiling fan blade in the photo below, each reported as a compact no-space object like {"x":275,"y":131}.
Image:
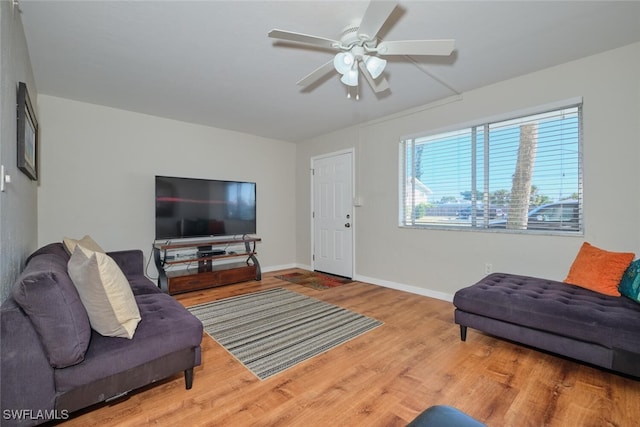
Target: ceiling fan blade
{"x":378,"y":86}
{"x":316,"y":74}
{"x":417,"y":47}
{"x":374,"y":18}
{"x":302,"y":38}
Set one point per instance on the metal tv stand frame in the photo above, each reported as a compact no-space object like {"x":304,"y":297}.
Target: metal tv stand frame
{"x":207,"y":268}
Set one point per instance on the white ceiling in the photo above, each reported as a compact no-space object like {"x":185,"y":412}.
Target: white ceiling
{"x":211,"y":62}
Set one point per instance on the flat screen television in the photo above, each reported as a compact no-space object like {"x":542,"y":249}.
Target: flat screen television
{"x":189,"y":207}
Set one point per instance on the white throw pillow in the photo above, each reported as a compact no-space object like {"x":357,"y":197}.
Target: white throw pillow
{"x":104,"y":292}
{"x":86,"y":241}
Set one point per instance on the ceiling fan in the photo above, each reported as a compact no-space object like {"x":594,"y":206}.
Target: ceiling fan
{"x":361,"y":52}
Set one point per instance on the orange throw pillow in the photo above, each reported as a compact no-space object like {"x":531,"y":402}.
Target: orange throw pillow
{"x":599,"y":270}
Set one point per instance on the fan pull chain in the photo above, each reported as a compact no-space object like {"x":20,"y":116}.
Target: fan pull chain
{"x":357,"y":97}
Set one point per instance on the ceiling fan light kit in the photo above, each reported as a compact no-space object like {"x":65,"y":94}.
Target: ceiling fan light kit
{"x":374,"y":65}
{"x":350,"y":78}
{"x":343,"y":62}
{"x":359,"y":50}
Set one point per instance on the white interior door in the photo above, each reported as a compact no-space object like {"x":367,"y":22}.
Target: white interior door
{"x":333,"y":214}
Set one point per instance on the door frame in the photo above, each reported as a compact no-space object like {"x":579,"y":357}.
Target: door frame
{"x":353,"y":213}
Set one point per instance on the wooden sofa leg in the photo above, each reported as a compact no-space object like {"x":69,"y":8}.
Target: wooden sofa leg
{"x":463,"y":333}
{"x":188,"y":378}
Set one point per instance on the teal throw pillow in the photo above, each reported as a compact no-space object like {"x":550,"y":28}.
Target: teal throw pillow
{"x":630,"y":283}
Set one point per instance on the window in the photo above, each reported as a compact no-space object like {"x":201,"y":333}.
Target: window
{"x":523,"y":173}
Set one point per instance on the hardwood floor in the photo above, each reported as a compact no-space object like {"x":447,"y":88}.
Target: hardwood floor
{"x":382,"y":378}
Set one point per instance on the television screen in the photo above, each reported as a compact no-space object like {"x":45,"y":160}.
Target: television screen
{"x":188,"y":207}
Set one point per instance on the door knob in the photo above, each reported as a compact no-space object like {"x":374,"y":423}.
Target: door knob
{"x":347,"y":225}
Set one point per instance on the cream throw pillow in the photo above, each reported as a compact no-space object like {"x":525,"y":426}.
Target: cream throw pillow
{"x":86,"y":241}
{"x":104,"y":292}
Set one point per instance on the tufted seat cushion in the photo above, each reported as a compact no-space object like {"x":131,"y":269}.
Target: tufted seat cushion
{"x":555,"y":307}
{"x":162,"y":317}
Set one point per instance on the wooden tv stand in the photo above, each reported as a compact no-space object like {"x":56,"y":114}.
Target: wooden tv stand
{"x":223,"y":262}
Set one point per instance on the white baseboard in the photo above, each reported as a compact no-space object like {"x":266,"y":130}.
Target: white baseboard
{"x":406,"y":288}
{"x":278,"y":267}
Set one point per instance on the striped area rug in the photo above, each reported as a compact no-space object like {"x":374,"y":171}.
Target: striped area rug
{"x":270,"y":331}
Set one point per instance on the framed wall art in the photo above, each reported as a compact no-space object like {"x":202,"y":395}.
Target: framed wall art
{"x":27,"y":134}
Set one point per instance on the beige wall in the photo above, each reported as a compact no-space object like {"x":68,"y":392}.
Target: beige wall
{"x":18,"y":203}
{"x":436,"y":262}
{"x":99,"y":163}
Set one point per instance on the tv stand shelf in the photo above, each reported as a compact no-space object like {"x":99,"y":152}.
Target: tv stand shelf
{"x":217,"y":263}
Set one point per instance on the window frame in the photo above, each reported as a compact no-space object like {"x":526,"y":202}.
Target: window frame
{"x":404,"y":192}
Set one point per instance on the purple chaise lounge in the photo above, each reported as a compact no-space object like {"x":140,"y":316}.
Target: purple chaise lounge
{"x":53,"y":363}
{"x":565,"y":319}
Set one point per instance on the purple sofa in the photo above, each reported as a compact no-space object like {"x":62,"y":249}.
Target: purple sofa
{"x":53,"y":363}
{"x":565,"y":319}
